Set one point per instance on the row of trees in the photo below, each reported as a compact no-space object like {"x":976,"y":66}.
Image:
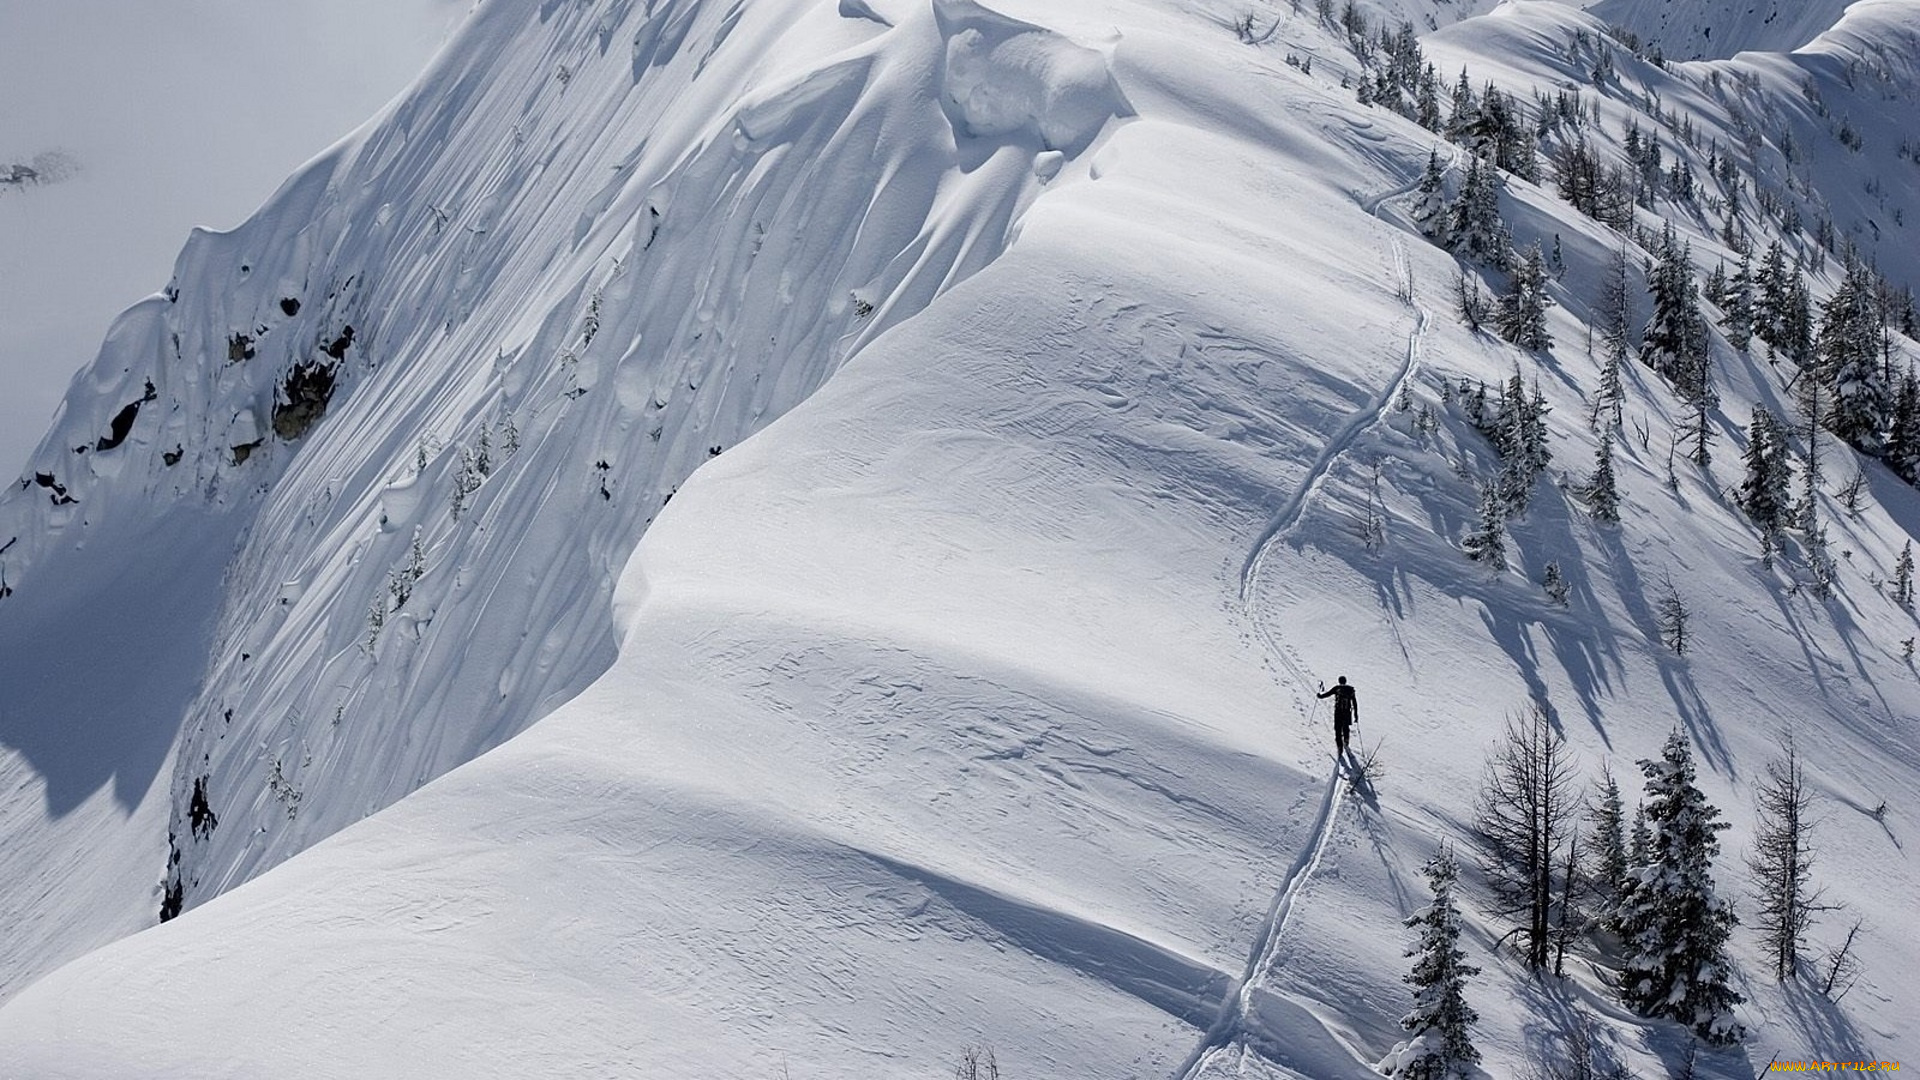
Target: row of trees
{"x":1638,"y":890}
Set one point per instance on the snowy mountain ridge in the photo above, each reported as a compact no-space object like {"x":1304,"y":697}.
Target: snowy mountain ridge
{"x":377,"y":276}
{"x":1088,"y":355}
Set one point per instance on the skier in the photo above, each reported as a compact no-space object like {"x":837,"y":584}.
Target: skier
{"x":1346,"y":711}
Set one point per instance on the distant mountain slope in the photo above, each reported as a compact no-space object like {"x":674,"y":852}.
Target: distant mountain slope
{"x":1050,"y":396}
{"x":1702,"y":29}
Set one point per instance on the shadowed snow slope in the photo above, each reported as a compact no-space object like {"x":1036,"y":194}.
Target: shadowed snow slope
{"x":1698,"y":29}
{"x":419,"y":409}
{"x":1101,"y":406}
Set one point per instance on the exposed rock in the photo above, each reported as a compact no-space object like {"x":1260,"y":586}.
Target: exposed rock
{"x":122,"y":424}
{"x":303,"y":397}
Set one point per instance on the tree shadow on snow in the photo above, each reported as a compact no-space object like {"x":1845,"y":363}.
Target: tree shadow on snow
{"x":1689,"y":706}
{"x":1822,"y":1020}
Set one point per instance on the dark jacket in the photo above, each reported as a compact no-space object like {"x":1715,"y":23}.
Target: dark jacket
{"x":1346,"y":710}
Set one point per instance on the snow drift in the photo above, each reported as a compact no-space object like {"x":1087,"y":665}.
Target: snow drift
{"x":1048,"y":398}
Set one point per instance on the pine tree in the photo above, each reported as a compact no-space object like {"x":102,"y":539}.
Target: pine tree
{"x":1782,"y":864}
{"x":1701,"y":402}
{"x":1429,"y":208}
{"x":1739,"y":306}
{"x":1903,"y":577}
{"x":1797,"y":319}
{"x":1532,"y":453}
{"x":1714,"y":288}
{"x":1469,"y":301}
{"x":1463,"y":109}
{"x":1576,"y":174}
{"x":1639,"y":844}
{"x":1474,"y":227}
{"x":1676,"y":928}
{"x":466,"y":481}
{"x":1487,"y":543}
{"x":1426,"y":102}
{"x":376,"y":621}
{"x":1849,"y":362}
{"x":1554,"y":583}
{"x":1608,"y":849}
{"x":1522,"y":315}
{"x":1674,"y":342}
{"x":1903,"y":434}
{"x":1764,"y":493}
{"x":1775,"y":292}
{"x":1441,"y":1021}
{"x":1603,"y":496}
{"x":1616,"y":314}
{"x":1521,"y":823}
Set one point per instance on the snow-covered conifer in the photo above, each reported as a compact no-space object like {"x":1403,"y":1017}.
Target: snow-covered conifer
{"x":1602,"y":491}
{"x":1615,"y":314}
{"x":1463,"y":110}
{"x":1554,"y":583}
{"x":1714,"y":288}
{"x":1772,"y":295}
{"x":1702,"y":399}
{"x":1902,"y":451}
{"x":1675,"y":928}
{"x":1522,"y":314}
{"x":1487,"y":543}
{"x":1903,"y":576}
{"x":376,"y":621}
{"x":1797,"y":318}
{"x":1674,"y":342}
{"x":1426,"y":102}
{"x":1429,"y":207}
{"x":1607,"y":851}
{"x":1738,"y":305}
{"x":1764,"y":491}
{"x":466,"y":481}
{"x":1849,"y":362}
{"x":1474,"y":228}
{"x":1441,"y":1022}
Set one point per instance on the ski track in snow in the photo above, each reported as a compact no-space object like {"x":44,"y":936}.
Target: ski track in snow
{"x":1229,"y":1033}
{"x":1238,"y":1031}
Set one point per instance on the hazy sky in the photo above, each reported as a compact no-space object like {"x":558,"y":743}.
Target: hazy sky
{"x":175,"y":113}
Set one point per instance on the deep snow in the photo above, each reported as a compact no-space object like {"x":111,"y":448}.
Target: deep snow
{"x":969,"y":699}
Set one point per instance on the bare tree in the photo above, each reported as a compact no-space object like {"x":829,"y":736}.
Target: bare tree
{"x":1522,"y":822}
{"x":1842,"y":966}
{"x":1782,"y":864}
{"x":977,"y":1063}
{"x":1672,"y":620}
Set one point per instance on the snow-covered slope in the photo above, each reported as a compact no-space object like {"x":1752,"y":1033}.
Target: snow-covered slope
{"x":594,"y":248}
{"x":157,"y":118}
{"x":969,"y":700}
{"x":1698,"y":29}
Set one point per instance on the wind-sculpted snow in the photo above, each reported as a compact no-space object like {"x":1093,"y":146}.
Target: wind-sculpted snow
{"x":971,"y":700}
{"x":1003,"y":77}
{"x":415,"y":413}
